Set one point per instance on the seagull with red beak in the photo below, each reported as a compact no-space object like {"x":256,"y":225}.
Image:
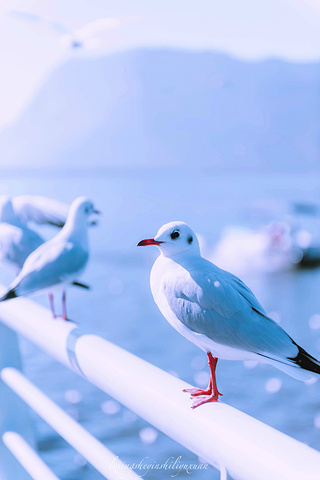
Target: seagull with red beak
{"x":217,"y":312}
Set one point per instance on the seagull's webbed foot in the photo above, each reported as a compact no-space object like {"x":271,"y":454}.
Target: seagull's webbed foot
{"x":194,"y":392}
{"x":211,"y":393}
{"x":201,"y":401}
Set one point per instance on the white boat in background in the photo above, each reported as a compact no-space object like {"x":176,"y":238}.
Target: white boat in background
{"x":280,"y":245}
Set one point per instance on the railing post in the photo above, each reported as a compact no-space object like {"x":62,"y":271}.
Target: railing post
{"x":14,"y":414}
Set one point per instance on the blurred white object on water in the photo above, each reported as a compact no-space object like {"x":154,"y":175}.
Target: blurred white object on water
{"x":278,"y":246}
{"x":148,"y":435}
{"x":243,"y":249}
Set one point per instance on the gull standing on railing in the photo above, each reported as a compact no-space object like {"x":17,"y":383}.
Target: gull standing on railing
{"x":216,"y":311}
{"x":58,"y":262}
{"x":17,"y":239}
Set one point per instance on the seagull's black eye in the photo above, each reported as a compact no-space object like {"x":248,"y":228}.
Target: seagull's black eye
{"x":175,"y":235}
{"x":190,"y":239}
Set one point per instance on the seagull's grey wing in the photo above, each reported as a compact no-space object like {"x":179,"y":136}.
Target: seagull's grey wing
{"x":50,"y":24}
{"x":52,"y":263}
{"x":241,"y":288}
{"x":17,"y":243}
{"x":57,"y":27}
{"x":226,"y":312}
{"x":41,"y":210}
{"x":25,"y":16}
{"x":10,"y":237}
{"x":99,"y":25}
{"x":28,"y":243}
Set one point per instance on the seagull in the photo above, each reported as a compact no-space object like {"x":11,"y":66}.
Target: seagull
{"x":88,"y":37}
{"x":17,"y":239}
{"x":59,"y":261}
{"x":217,"y":312}
{"x":40,"y":210}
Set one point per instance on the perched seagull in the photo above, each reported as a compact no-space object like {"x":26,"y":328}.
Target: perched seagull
{"x":216,"y":311}
{"x":89,"y":36}
{"x":58,"y":262}
{"x":17,"y":239}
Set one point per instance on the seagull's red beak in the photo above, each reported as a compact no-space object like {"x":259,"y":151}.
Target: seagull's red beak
{"x":148,"y":241}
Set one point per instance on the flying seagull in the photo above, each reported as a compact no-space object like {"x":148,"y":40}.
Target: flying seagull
{"x":89,"y":36}
{"x":58,"y":262}
{"x":216,"y":311}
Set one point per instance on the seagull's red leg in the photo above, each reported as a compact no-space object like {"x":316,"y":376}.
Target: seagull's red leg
{"x":194,"y":392}
{"x":52,"y":305}
{"x":64,"y":309}
{"x":215,"y":392}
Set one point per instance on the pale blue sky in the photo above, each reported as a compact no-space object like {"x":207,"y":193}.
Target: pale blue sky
{"x":249,"y":29}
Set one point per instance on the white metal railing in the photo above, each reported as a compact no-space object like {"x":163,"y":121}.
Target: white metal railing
{"x":86,"y":444}
{"x":222,"y":435}
{"x":27,"y":457}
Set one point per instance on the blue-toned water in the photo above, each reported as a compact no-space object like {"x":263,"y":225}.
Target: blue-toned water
{"x":135,"y":203}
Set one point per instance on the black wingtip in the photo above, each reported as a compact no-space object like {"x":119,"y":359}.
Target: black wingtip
{"x":7,"y":296}
{"x":82,"y":285}
{"x":306,"y":361}
{"x":56,"y":224}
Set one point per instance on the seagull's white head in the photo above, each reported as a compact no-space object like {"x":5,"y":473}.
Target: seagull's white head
{"x":80,"y":210}
{"x":174,"y":238}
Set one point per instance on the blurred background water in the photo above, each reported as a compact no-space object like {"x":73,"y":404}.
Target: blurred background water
{"x":210,"y":117}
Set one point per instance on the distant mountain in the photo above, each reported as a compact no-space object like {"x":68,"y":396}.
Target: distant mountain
{"x":151,"y":108}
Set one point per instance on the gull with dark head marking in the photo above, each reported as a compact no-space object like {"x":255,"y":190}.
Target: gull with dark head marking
{"x":58,"y":262}
{"x":217,"y":312}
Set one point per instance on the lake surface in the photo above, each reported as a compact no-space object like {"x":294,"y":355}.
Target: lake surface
{"x":120,"y":307}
